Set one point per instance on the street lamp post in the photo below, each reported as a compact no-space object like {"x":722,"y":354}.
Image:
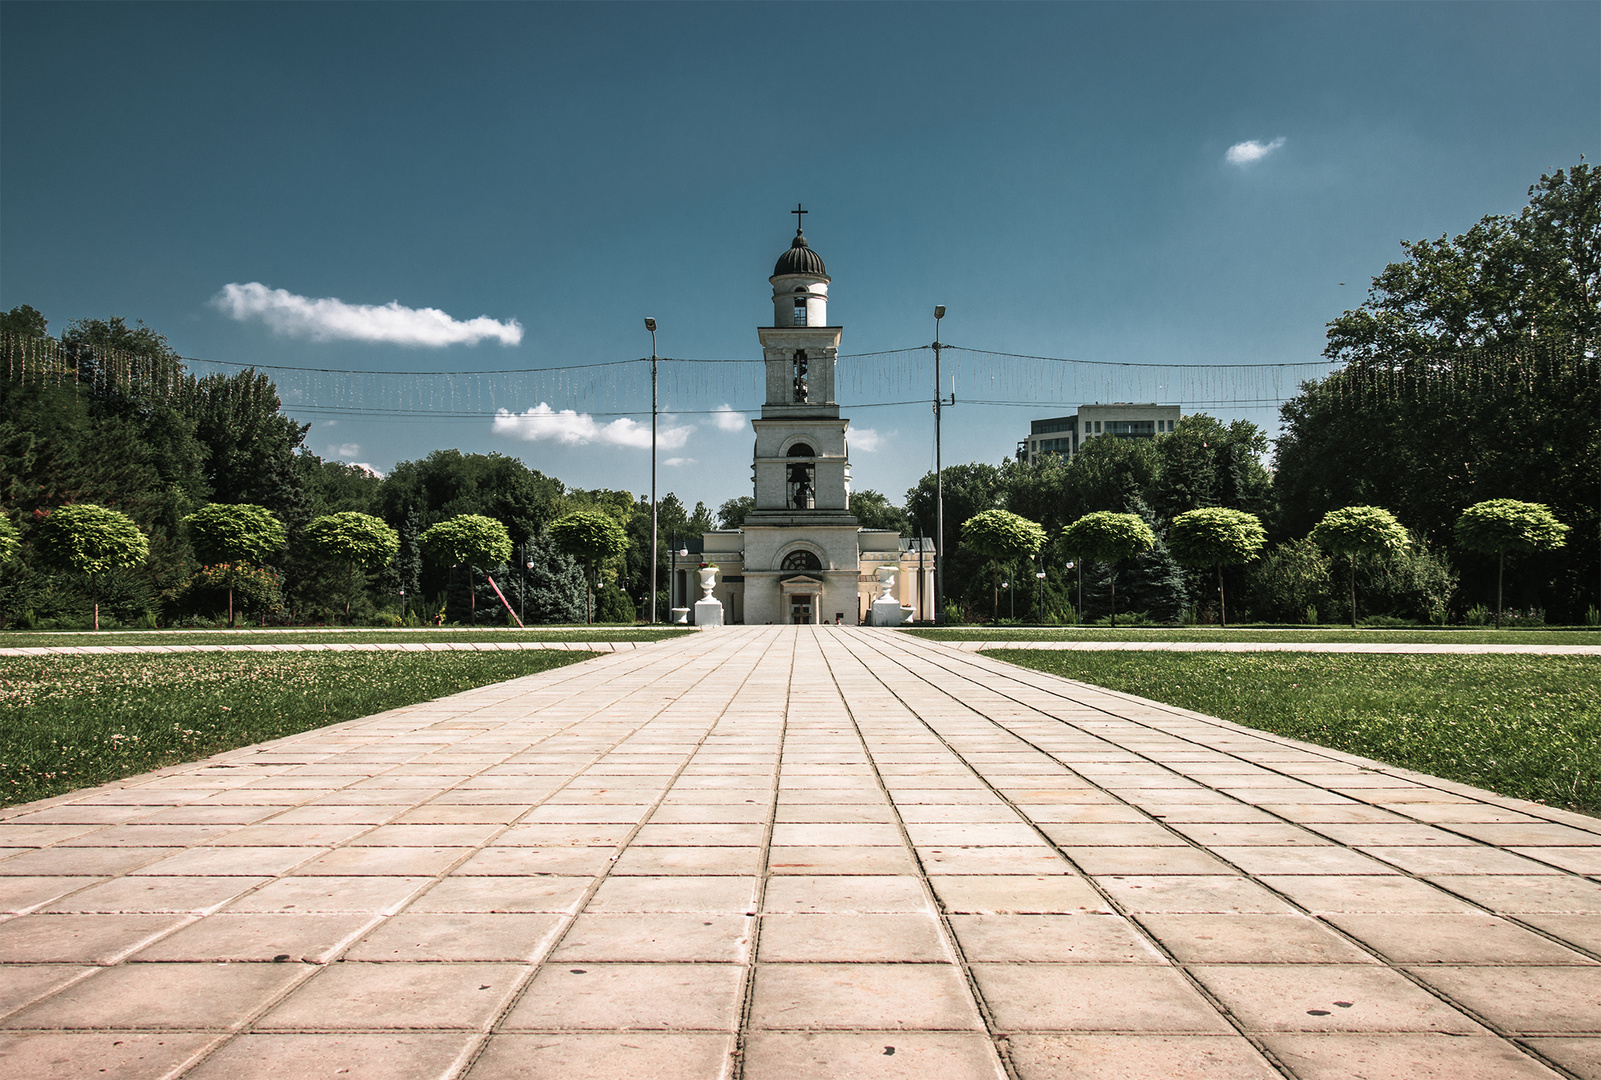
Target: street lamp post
{"x":939,"y":486}
{"x":650,"y":324}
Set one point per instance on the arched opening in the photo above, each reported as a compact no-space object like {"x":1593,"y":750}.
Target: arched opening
{"x":801,"y":561}
{"x":800,"y":306}
{"x":800,"y":388}
{"x":802,"y":478}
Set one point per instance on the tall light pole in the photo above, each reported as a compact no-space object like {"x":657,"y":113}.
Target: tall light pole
{"x":939,"y":487}
{"x":650,"y":324}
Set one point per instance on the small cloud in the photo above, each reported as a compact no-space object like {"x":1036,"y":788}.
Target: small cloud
{"x":727,"y":419}
{"x":571,"y":428}
{"x":1244,"y":153}
{"x":865,"y":438}
{"x":344,"y":450}
{"x":331,"y":319}
{"x":675,"y":461}
{"x":328,"y":423}
{"x":368,"y":469}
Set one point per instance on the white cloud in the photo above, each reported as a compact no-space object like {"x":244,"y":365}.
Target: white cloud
{"x":344,"y":450}
{"x":676,"y":461}
{"x":331,"y":319}
{"x":727,"y":419}
{"x":1243,"y":153}
{"x":865,"y":438}
{"x":570,"y":428}
{"x":364,"y":467}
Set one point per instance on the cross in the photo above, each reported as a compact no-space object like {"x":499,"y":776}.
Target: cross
{"x":798,"y":212}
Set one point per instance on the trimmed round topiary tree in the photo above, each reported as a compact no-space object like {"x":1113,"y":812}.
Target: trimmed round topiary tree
{"x":360,"y":541}
{"x":1216,"y":536}
{"x":1109,"y":537}
{"x":234,"y":533}
{"x":1356,"y":531}
{"x":473,"y":540}
{"x":1002,"y":536}
{"x":87,"y":539}
{"x":593,"y":538}
{"x":1498,"y":526}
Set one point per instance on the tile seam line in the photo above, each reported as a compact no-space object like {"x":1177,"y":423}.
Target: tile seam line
{"x":999,"y":1041}
{"x":1151,"y":940}
{"x":476,"y":1047}
{"x":735,"y":1069}
{"x":1024,"y":677}
{"x":1513,"y":918}
{"x":468,"y":1054}
{"x":246,"y":1025}
{"x":561,"y":675}
{"x":1404,"y":972}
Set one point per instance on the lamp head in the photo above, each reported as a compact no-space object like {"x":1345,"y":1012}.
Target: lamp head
{"x":939,"y":311}
{"x":650,"y":324}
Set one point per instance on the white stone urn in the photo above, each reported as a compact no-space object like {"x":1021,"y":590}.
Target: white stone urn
{"x":708,"y":581}
{"x":886,"y":581}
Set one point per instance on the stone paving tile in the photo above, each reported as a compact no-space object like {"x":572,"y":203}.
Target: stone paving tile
{"x":908,"y":859}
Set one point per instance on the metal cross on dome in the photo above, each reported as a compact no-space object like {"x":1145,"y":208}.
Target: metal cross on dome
{"x":798,"y":212}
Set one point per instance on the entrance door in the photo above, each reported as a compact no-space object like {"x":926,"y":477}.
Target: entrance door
{"x":800,"y":609}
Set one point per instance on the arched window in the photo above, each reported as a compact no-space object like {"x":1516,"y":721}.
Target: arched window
{"x":800,"y":374}
{"x":801,"y":560}
{"x":801,"y":475}
{"x":800,"y":449}
{"x":800,"y":311}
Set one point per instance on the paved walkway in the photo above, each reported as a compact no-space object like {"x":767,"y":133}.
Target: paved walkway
{"x":796,"y":853}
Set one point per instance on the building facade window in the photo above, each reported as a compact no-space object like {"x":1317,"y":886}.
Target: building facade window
{"x":801,"y":390}
{"x":801,"y":561}
{"x":802,"y":478}
{"x":800,"y":311}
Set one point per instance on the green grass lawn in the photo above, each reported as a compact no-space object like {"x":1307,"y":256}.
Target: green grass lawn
{"x":1319,"y":635}
{"x":20,"y":639}
{"x":1525,"y":726}
{"x":72,"y":722}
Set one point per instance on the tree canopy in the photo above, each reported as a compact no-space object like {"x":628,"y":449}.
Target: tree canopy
{"x":235,"y":532}
{"x":10,"y":540}
{"x":470,"y":539}
{"x":90,"y":539}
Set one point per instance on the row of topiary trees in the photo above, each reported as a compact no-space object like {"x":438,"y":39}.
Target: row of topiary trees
{"x":1215,"y":537}
{"x":235,"y":539}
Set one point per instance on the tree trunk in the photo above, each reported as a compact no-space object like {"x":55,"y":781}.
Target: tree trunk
{"x":1112,"y":578}
{"x":1500,"y":576}
{"x":1222,"y":605}
{"x":1353,"y":592}
{"x":230,"y":607}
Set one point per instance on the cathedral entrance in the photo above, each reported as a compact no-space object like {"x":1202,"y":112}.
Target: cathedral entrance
{"x":800,"y":609}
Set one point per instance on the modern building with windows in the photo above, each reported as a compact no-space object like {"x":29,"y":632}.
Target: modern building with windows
{"x":1063,"y":435}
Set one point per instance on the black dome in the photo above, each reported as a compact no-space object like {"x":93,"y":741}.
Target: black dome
{"x":800,"y":259}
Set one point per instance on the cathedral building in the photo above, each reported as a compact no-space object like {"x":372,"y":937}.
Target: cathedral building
{"x":800,"y":556}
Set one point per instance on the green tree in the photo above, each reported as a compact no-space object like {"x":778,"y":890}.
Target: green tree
{"x":1358,"y":532}
{"x":91,"y":540}
{"x":470,"y":540}
{"x":1498,"y":526}
{"x":874,"y":510}
{"x":1504,"y":280}
{"x":240,"y":532}
{"x":1216,"y":536}
{"x":1108,"y":537}
{"x":361,"y":542}
{"x":1001,"y":536}
{"x":732,"y":514}
{"x":1290,"y":578}
{"x":594,"y":538}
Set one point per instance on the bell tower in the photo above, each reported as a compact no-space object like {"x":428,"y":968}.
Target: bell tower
{"x":802,"y":466}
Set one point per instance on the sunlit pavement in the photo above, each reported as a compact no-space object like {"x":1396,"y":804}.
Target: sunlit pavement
{"x":796,"y":852}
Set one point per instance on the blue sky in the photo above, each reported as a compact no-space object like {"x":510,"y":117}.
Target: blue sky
{"x":1057,"y":175}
